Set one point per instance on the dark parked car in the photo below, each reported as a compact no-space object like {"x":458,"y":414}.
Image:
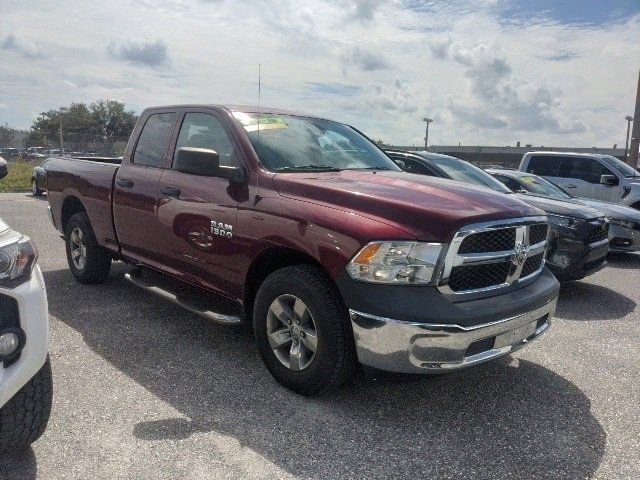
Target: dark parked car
{"x":3,"y":168}
{"x":305,"y":229}
{"x":578,"y":241}
{"x":39,"y":180}
{"x":624,"y":222}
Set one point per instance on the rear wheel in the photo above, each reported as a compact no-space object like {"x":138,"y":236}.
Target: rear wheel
{"x":24,"y":418}
{"x":303,"y":331}
{"x":34,"y":188}
{"x":88,"y":261}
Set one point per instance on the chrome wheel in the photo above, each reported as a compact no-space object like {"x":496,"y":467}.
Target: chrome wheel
{"x":34,"y":188}
{"x":78,"y":248}
{"x":292,"y":332}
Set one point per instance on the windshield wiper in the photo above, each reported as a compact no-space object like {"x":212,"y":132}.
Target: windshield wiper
{"x":369,"y":168}
{"x":302,"y":168}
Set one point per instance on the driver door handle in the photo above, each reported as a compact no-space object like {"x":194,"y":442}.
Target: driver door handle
{"x":570,"y":185}
{"x":170,"y":191}
{"x":125,"y":183}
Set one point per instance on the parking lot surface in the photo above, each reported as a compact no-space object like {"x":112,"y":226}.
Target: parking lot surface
{"x":144,"y":389}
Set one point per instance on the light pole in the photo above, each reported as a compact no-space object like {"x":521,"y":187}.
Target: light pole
{"x":629,"y":119}
{"x":426,"y":134}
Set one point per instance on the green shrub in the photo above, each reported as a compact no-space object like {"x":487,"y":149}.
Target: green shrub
{"x":19,"y":177}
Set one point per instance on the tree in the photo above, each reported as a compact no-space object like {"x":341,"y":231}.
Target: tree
{"x":7,"y":135}
{"x":112,"y":122}
{"x":102,"y":124}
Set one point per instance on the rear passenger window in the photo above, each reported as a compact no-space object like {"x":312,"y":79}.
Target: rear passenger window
{"x":544,"y":165}
{"x":154,"y":140}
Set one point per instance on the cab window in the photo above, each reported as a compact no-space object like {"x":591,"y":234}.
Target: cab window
{"x":583,"y":168}
{"x":154,"y":140}
{"x":544,"y":165}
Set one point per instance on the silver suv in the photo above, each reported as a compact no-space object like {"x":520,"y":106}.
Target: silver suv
{"x":600,"y":177}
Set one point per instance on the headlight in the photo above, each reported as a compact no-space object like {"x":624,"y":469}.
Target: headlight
{"x":562,"y":221}
{"x":17,"y":259}
{"x":621,"y":223}
{"x":396,"y":262}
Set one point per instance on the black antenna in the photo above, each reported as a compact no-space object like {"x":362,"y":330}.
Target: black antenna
{"x":256,"y":198}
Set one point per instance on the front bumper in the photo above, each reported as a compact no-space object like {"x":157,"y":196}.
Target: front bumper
{"x":623,"y":239}
{"x":31,"y":297}
{"x":416,"y":329}
{"x":406,"y":347}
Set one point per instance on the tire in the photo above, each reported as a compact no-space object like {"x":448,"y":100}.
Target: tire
{"x":35,"y":191}
{"x":334,"y":360}
{"x":96,"y":264}
{"x":24,"y":418}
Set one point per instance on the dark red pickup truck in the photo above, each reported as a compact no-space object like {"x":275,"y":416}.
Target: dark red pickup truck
{"x":305,"y":229}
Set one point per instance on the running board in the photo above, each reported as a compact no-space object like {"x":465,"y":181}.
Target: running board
{"x":197,"y":300}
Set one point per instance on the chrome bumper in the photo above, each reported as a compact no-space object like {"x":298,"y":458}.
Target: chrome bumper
{"x":407,"y":347}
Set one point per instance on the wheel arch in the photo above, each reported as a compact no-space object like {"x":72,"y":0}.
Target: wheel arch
{"x":267,"y":262}
{"x":70,"y":207}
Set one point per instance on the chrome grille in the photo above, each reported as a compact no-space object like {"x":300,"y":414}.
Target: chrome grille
{"x":494,"y":255}
{"x":491,"y":241}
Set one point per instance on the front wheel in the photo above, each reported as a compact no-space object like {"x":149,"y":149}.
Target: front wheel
{"x":34,"y":188}
{"x":88,"y":261}
{"x":303,"y":331}
{"x":24,"y":418}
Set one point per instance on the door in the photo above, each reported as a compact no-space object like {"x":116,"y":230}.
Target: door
{"x":136,"y":187}
{"x":581,"y":177}
{"x":197,"y":214}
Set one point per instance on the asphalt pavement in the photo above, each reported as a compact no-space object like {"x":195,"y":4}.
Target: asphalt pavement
{"x":144,"y":389}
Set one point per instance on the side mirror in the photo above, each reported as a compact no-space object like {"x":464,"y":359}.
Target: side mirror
{"x":237,"y":177}
{"x":198,"y":161}
{"x":610,"y":180}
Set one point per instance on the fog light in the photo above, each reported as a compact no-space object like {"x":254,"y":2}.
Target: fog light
{"x":9,"y":343}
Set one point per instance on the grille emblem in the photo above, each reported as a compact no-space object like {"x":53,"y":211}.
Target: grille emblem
{"x":521,"y":252}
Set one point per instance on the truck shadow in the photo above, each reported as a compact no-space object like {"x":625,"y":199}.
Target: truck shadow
{"x":510,"y":419}
{"x":586,"y":301}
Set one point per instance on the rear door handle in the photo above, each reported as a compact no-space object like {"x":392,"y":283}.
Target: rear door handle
{"x":570,"y":185}
{"x":170,"y":191}
{"x":123,"y":182}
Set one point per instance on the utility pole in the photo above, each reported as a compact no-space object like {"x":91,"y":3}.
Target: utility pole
{"x":629,"y":119}
{"x":635,"y":133}
{"x":426,"y":134}
{"x":60,"y":130}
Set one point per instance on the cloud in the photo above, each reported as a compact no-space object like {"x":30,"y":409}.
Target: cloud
{"x":151,"y":54}
{"x":396,"y":98}
{"x":21,"y":45}
{"x":363,"y":11}
{"x":364,"y":60}
{"x":501,"y":99}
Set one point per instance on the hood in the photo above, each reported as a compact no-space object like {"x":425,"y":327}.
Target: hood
{"x":428,"y":208}
{"x":612,"y":210}
{"x":561,"y":207}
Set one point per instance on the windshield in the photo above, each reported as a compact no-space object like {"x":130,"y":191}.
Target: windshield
{"x":621,"y":167}
{"x":466,"y":172}
{"x":540,"y":186}
{"x":291,"y":143}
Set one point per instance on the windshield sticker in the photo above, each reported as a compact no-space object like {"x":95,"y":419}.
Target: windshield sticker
{"x":267,"y":122}
{"x":529,"y":180}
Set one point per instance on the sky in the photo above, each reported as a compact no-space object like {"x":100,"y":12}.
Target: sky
{"x":488,"y":72}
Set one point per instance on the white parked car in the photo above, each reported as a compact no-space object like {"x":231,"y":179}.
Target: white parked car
{"x":587,"y":175}
{"x":25,"y":373}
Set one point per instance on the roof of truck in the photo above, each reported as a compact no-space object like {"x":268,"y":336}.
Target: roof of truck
{"x":238,"y":108}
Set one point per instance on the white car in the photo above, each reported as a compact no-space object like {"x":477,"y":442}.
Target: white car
{"x":587,"y":175}
{"x":25,"y":373}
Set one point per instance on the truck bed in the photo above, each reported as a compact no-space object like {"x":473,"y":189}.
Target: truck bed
{"x":88,"y":180}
